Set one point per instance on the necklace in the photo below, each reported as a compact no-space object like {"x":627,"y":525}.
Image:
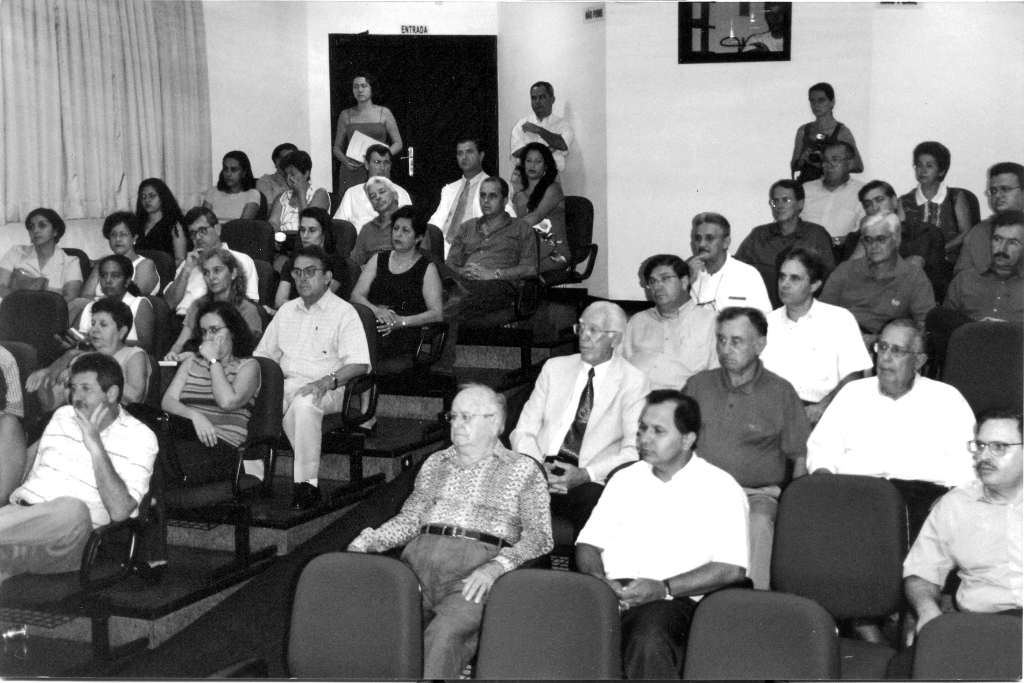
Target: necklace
{"x":397,"y":267}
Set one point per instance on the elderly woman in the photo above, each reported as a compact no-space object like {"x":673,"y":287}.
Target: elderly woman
{"x":813,"y":137}
{"x":225,"y":281}
{"x":302,"y":194}
{"x":41,"y":264}
{"x":542,"y":198}
{"x":115,"y":281}
{"x":371,"y":120}
{"x":109,"y":326}
{"x":235,"y":194}
{"x":160,"y":216}
{"x":401,"y":286}
{"x":932,"y":202}
{"x":214,"y":390}
{"x":478,"y":511}
{"x":314,"y":229}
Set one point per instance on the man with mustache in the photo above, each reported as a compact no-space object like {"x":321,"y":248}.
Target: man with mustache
{"x":717,"y":280}
{"x":1005,"y":193}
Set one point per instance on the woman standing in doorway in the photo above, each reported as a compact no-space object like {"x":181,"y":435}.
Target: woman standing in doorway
{"x":369,"y":119}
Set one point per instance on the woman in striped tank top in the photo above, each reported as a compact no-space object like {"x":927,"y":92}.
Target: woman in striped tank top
{"x":213,"y":391}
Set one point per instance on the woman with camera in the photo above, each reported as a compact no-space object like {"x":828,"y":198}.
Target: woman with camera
{"x":813,"y":137}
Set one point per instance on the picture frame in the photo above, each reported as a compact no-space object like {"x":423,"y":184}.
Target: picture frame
{"x":726,"y":32}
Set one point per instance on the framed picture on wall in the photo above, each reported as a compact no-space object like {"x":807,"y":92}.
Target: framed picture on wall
{"x":713,"y":32}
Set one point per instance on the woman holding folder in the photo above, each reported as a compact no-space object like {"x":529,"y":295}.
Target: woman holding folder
{"x":372,"y":121}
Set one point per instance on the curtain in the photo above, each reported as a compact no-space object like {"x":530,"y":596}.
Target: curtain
{"x":97,"y":95}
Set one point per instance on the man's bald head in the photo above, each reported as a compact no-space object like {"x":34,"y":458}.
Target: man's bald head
{"x":485,"y":399}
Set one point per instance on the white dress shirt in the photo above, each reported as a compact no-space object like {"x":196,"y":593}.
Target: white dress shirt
{"x":357,"y":210}
{"x":735,"y":284}
{"x":838,"y":210}
{"x":553,"y":124}
{"x":565,"y":422}
{"x":671,"y":350}
{"x":450,"y":194}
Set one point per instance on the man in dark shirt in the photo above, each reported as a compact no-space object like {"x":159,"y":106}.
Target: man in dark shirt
{"x":1005,"y":193}
{"x":752,"y":422}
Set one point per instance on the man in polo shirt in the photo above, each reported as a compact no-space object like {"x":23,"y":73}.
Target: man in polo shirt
{"x":716,"y":279}
{"x":763,"y":245}
{"x":92,"y":467}
{"x":319,"y":342}
{"x":542,"y":126}
{"x":882,"y":286}
{"x":832,"y":199}
{"x":188,"y":285}
{"x":1005,"y":193}
{"x":676,"y":339}
{"x":753,"y":422}
{"x":356,"y":207}
{"x":814,"y":346}
{"x":375,"y":236}
{"x":667,"y":531}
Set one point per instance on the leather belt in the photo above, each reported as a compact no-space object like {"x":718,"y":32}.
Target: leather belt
{"x":459,"y":532}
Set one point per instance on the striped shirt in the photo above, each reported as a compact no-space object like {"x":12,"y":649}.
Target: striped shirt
{"x":63,"y":465}
{"x":232,"y":426}
{"x":9,"y":366}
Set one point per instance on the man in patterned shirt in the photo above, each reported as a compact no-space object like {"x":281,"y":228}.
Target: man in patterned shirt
{"x":478,"y":510}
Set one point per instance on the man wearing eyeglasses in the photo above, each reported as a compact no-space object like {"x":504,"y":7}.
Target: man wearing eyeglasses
{"x":975,"y":529}
{"x":897,"y":425}
{"x":831,"y":201}
{"x":716,"y":279}
{"x":1004,"y":193}
{"x":582,"y":416}
{"x":188,"y":285}
{"x":356,"y":207}
{"x":763,"y":245}
{"x":319,"y":342}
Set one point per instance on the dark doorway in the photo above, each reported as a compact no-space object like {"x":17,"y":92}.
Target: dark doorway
{"x":438,"y":88}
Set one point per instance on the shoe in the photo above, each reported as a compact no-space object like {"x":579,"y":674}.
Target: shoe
{"x":305,"y":496}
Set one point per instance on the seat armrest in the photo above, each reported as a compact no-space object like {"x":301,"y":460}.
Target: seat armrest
{"x":586,"y":253}
{"x":432,"y":341}
{"x":97,"y":538}
{"x":527,"y":297}
{"x":354,"y":413}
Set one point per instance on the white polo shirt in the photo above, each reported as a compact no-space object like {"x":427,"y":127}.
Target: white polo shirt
{"x":735,"y":284}
{"x":838,"y":210}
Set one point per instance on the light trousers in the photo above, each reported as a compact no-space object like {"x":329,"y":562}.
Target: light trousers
{"x":303,"y":423}
{"x":764,"y":504}
{"x":46,"y":538}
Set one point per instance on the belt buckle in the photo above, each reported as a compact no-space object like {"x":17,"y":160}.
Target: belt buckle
{"x":447,"y":530}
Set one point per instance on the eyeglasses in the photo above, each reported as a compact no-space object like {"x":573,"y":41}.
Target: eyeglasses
{"x":199,"y":231}
{"x":664,"y":280}
{"x":898,"y":351}
{"x":584,"y":330}
{"x":212,"y":330}
{"x":455,"y":418}
{"x":881,"y":239}
{"x":784,"y":201}
{"x":118,"y":234}
{"x":998,"y":448}
{"x":1000,"y":189}
{"x":307,"y":272}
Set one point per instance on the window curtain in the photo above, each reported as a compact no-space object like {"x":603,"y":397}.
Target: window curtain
{"x":97,"y":95}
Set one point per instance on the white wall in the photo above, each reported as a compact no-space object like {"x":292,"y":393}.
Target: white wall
{"x":552,"y":42}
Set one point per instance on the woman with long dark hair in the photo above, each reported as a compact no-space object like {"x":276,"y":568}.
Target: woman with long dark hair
{"x":542,"y":199}
{"x":160,"y":216}
{"x":235,"y":195}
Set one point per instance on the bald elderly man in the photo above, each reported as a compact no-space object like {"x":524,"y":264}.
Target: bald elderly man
{"x":478,"y":510}
{"x":375,"y":236}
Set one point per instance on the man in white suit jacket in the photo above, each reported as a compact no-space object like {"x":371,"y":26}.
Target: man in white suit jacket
{"x":610,"y":436}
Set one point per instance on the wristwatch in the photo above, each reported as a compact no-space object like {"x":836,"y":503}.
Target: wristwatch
{"x":213,"y":361}
{"x":497,"y":273}
{"x":334,"y":380}
{"x":668,"y":589}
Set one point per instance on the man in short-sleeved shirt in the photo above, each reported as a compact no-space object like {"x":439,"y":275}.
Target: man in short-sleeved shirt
{"x":542,"y":126}
{"x":1005,"y":193}
{"x":716,"y":279}
{"x":831,"y":201}
{"x":997,"y":292}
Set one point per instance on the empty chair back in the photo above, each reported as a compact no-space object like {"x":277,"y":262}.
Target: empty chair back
{"x":34,"y":317}
{"x":356,"y":616}
{"x":164,"y":265}
{"x":579,"y":222}
{"x":840,"y":540}
{"x":268,"y":280}
{"x":744,"y":634}
{"x":163,"y":326}
{"x":962,"y":645}
{"x":436,"y":238}
{"x":344,"y":237}
{"x":541,"y":623}
{"x":267,"y":413}
{"x":251,"y":237}
{"x":984,"y":362}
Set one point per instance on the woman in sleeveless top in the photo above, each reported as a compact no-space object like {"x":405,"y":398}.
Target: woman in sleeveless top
{"x":235,"y":194}
{"x":933,"y":202}
{"x":369,"y":119}
{"x":115,"y":281}
{"x":542,"y":198}
{"x":214,"y":392}
{"x":160,"y":219}
{"x":121,"y":230}
{"x":402,"y":287}
{"x":811,"y":138}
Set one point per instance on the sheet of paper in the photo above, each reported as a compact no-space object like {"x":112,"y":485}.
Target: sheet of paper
{"x":358,"y":145}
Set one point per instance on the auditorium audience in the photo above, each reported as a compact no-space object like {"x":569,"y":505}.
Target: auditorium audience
{"x":375,"y":235}
{"x":765,"y":243}
{"x":542,"y":127}
{"x":225,"y":281}
{"x":580,"y":421}
{"x":161,"y":219}
{"x":369,"y":119}
{"x":315,"y":230}
{"x":478,"y":511}
{"x":189,"y":284}
{"x":882,"y":286}
{"x":752,"y":422}
{"x":356,"y":207}
{"x":319,"y":343}
{"x":41,"y":265}
{"x":402,"y":287}
{"x":300,"y":195}
{"x":92,"y":467}
{"x":272,"y":185}
{"x":667,"y":531}
{"x":933,"y":202}
{"x":116,"y":283}
{"x":1004,"y":193}
{"x":814,"y":346}
{"x":813,"y":138}
{"x":676,"y":338}
{"x":214,"y":391}
{"x":542,"y":199}
{"x":831,"y":201}
{"x":121,"y":230}
{"x":717,"y":280}
{"x":235,"y":194}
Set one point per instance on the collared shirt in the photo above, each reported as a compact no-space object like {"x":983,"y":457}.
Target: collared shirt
{"x":552,"y":124}
{"x":671,"y":350}
{"x":511,"y":244}
{"x":920,"y":436}
{"x":313,"y":342}
{"x":357,"y":209}
{"x":196,"y":285}
{"x":765,"y":242}
{"x":9,"y":366}
{"x":569,"y":414}
{"x":653,"y":529}
{"x":976,"y":249}
{"x":504,"y":494}
{"x":838,"y":210}
{"x":985,"y":294}
{"x":60,"y":269}
{"x":750,"y":430}
{"x":815,"y":352}
{"x":876,"y":297}
{"x":375,"y":237}
{"x":63,"y":465}
{"x":450,"y":195}
{"x":735,"y":284}
{"x":921,"y":200}
{"x":981,"y":539}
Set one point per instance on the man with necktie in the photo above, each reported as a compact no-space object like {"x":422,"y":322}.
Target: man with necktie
{"x":581,"y":419}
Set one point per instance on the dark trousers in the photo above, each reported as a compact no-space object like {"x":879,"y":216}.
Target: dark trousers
{"x":576,"y":505}
{"x":919,"y":496}
{"x":654,"y":638}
